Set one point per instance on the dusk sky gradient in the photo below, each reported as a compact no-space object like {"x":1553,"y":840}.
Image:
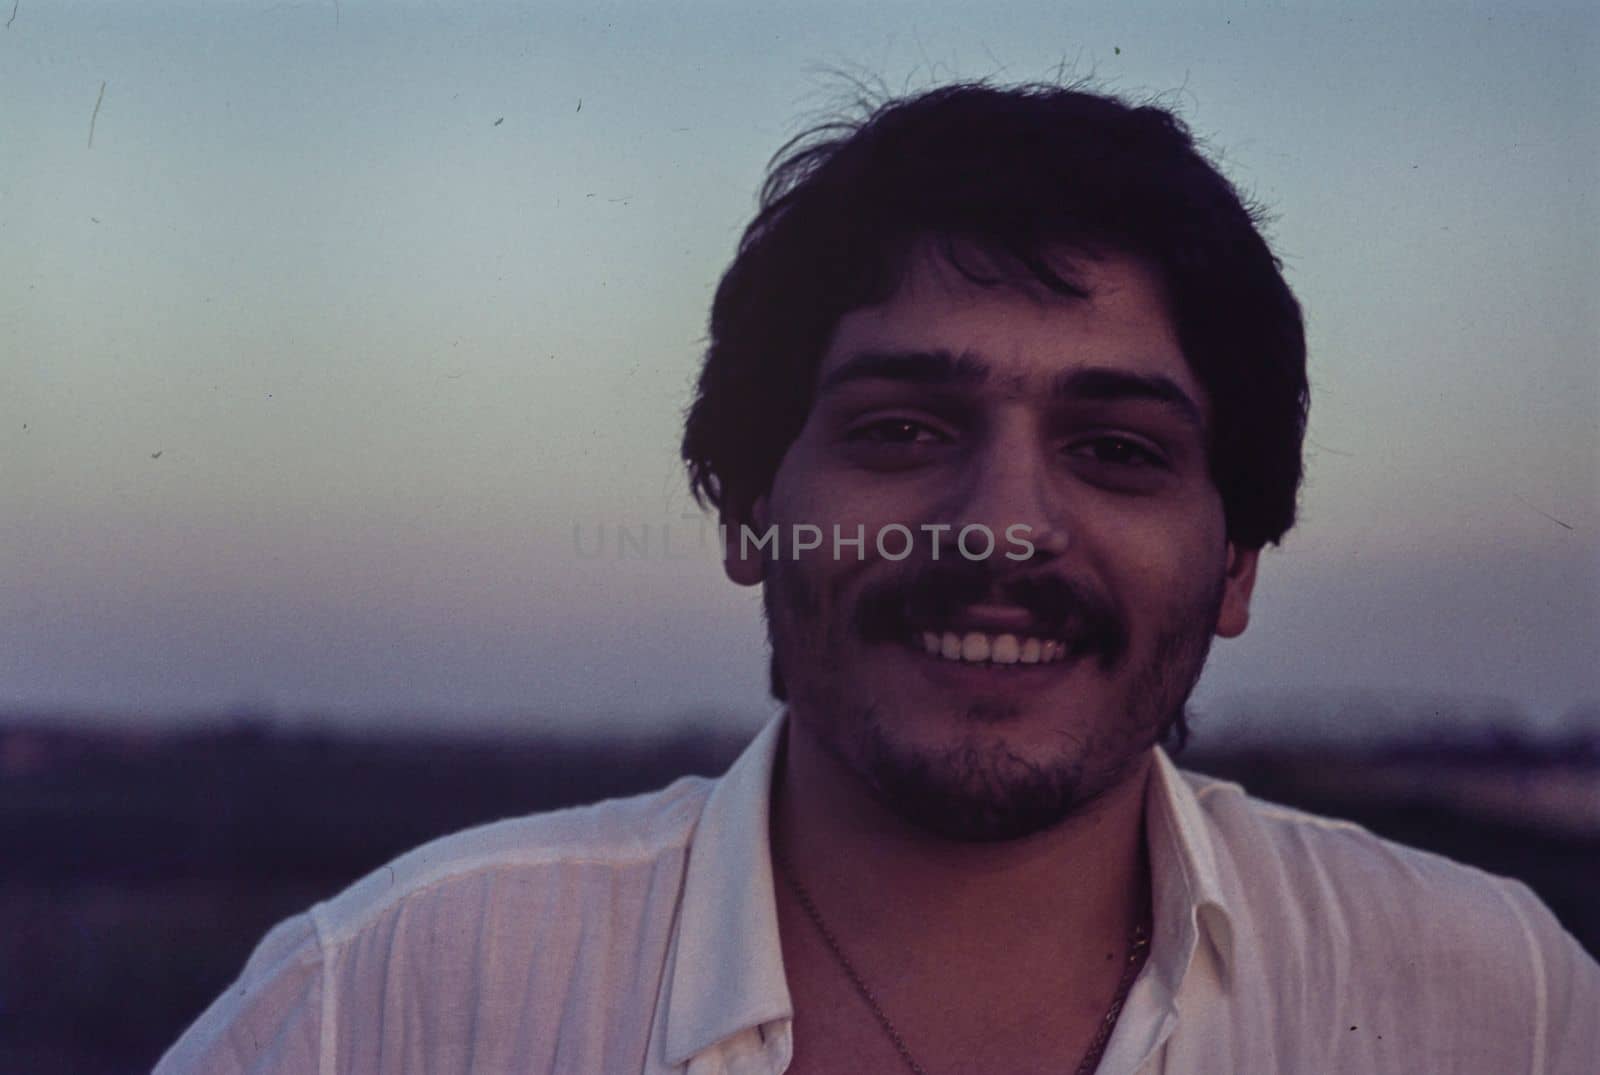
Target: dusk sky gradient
{"x":311,"y":364}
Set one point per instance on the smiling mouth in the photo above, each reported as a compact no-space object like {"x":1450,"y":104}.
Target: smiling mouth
{"x":992,"y":650}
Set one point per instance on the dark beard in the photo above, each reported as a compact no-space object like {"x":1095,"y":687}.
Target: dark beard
{"x":976,"y":792}
{"x":979,"y":790}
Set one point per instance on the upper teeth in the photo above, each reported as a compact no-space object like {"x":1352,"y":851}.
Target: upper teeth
{"x":977,"y":647}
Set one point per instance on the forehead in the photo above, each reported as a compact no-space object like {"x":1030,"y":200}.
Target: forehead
{"x":1020,"y":339}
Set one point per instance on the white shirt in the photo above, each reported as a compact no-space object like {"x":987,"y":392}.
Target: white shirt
{"x":640,"y":935}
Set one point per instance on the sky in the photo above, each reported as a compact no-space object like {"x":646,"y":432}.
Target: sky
{"x":336,"y":338}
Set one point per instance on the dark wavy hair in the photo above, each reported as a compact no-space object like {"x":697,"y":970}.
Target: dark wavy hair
{"x":1013,"y":174}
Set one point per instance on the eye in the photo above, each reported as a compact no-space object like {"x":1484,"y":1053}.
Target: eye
{"x":1118,"y":451}
{"x":895,"y":431}
{"x":896,"y":443}
{"x":1121,"y":464}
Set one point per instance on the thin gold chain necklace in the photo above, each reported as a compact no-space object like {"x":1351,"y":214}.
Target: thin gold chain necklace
{"x":1138,"y":948}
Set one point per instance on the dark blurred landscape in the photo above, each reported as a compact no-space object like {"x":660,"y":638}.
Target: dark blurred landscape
{"x":138,"y":868}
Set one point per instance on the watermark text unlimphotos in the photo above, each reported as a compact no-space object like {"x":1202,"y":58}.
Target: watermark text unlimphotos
{"x":892,"y":541}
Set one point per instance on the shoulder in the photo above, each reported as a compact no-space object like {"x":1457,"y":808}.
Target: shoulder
{"x":1337,"y":873}
{"x":517,"y":914}
{"x":1394,"y":929}
{"x":616,"y":840}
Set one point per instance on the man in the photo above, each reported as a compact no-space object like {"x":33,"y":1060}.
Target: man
{"x":1004,"y":396}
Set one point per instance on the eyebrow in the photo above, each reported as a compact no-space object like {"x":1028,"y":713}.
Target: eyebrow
{"x":1107,"y":385}
{"x":933,"y":369}
{"x":943,"y":369}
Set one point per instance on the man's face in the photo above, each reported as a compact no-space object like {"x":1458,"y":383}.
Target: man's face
{"x":988,"y":699}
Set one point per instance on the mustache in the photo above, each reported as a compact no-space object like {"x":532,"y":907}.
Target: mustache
{"x":936,"y":592}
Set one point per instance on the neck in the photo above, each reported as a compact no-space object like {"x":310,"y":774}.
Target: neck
{"x":888,"y":886}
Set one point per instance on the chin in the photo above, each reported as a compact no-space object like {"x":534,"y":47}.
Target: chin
{"x":983,"y":784}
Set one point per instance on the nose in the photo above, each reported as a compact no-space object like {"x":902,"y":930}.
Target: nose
{"x":1009,"y":485}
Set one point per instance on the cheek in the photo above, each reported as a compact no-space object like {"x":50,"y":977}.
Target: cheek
{"x":861,"y":519}
{"x":791,"y":595}
{"x":811,"y":486}
{"x":1160,"y":565}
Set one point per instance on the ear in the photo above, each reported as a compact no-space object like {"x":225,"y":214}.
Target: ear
{"x":1239,"y":579}
{"x":746,"y":570}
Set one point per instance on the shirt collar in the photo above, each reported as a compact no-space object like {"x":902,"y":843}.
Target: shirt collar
{"x":1186,"y":886}
{"x":726,"y":972}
